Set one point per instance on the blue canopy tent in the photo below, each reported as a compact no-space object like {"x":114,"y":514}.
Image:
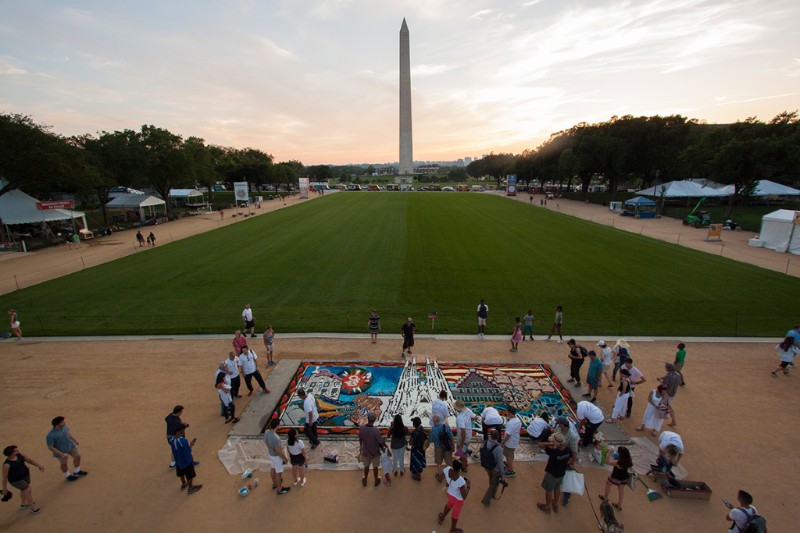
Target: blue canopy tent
{"x":639,"y":207}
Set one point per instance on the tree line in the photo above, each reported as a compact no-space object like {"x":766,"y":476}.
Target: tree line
{"x":637,"y":151}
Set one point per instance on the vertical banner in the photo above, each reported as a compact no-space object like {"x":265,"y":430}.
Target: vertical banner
{"x":511,"y":185}
{"x":304,"y":188}
{"x":241,"y":191}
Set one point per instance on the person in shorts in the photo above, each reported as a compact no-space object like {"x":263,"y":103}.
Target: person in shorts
{"x":527,"y":328}
{"x":407,"y":331}
{"x":269,"y":344}
{"x":370,"y":441}
{"x":63,"y":445}
{"x":441,"y":437}
{"x":457,"y":492}
{"x":787,"y":352}
{"x":13,"y":319}
{"x":184,"y":461}
{"x":511,"y":440}
{"x":249,"y":320}
{"x":297,"y":457}
{"x":483,"y":314}
{"x":17,"y":474}
{"x":276,"y":456}
{"x":560,"y":457}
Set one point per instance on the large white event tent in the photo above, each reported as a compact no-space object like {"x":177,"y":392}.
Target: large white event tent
{"x":779,"y":233}
{"x":16,"y":207}
{"x":680,"y":189}
{"x":136,"y":202}
{"x":764,"y":188}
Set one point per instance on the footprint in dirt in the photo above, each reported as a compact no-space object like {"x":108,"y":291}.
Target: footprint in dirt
{"x":55,"y":394}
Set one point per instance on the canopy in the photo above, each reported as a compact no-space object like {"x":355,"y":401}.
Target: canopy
{"x":640,"y":200}
{"x":136,"y":202}
{"x":184,"y":193}
{"x":764,"y":188}
{"x":779,"y":233}
{"x":680,"y":189}
{"x":16,"y":207}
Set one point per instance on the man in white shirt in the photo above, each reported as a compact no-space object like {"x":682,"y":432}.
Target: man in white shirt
{"x":491,"y":419}
{"x":464,"y":419}
{"x":740,"y":515}
{"x":248,"y":361}
{"x":590,"y":417}
{"x":637,"y":378}
{"x":511,"y":440}
{"x":440,"y":407}
{"x":312,"y":415}
{"x":539,"y":428}
{"x":607,"y":358}
{"x":249,"y":321}
{"x":232,"y":367}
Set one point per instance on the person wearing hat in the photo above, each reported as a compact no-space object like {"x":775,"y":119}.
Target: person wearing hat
{"x":370,"y":441}
{"x":184,"y":462}
{"x":636,"y":378}
{"x":407,"y":331}
{"x":511,"y":440}
{"x":671,"y":381}
{"x":570,"y":434}
{"x":559,"y":458}
{"x":464,"y":418}
{"x":621,"y":352}
{"x":607,"y":358}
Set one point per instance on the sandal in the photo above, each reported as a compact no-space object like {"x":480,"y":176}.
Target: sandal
{"x":542,"y":507}
{"x":441,"y":518}
{"x":639,"y":428}
{"x":617,"y":507}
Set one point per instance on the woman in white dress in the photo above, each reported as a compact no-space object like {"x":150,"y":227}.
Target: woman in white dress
{"x":623,"y":393}
{"x":656,"y":412}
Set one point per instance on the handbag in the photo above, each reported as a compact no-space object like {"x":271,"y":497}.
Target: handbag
{"x":632,"y":480}
{"x":573,"y":482}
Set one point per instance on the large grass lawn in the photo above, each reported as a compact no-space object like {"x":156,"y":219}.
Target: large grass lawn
{"x":321,"y":266}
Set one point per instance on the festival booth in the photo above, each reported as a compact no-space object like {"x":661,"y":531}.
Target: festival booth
{"x":779,"y":231}
{"x":681,"y":189}
{"x":639,"y":207}
{"x":190,"y":198}
{"x":137,"y":204}
{"x":33,"y":219}
{"x":764,"y":188}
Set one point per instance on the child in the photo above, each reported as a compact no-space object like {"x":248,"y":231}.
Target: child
{"x":517,"y":336}
{"x":680,"y":357}
{"x":386,"y":464}
{"x":786,"y":350}
{"x":557,"y":322}
{"x":297,"y":457}
{"x":528,"y":328}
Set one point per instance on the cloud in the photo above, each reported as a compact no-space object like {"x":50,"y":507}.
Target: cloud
{"x":8,"y":67}
{"x":482,"y":13}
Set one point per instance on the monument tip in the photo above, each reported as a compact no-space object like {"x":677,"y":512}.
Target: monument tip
{"x":404,"y":27}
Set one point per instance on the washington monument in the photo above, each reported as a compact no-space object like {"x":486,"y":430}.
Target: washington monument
{"x":406,"y":144}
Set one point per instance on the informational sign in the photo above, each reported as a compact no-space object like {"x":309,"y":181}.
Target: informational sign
{"x":303,"y":188}
{"x":241,"y":191}
{"x":432,"y":316}
{"x":59,"y":204}
{"x":714,"y":232}
{"x":511,"y":185}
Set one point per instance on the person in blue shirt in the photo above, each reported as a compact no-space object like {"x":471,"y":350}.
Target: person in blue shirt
{"x":184,"y":462}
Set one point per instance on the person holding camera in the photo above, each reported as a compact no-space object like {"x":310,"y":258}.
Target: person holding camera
{"x":492,"y":462}
{"x":184,"y":461}
{"x":560,"y":457}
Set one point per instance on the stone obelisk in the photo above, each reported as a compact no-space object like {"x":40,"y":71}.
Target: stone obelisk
{"x":406,"y":145}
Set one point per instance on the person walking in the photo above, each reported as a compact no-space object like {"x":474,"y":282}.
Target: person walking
{"x":140,"y":238}
{"x":269,"y":344}
{"x":374,"y":325}
{"x":417,"y":447}
{"x":483,"y":314}
{"x":740,"y":516}
{"x":151,"y":239}
{"x":557,"y":322}
{"x":239,"y":341}
{"x":13,"y":319}
{"x":620,"y":474}
{"x":173,"y":420}
{"x":577,"y":353}
{"x":527,"y":328}
{"x":276,"y":457}
{"x":184,"y":460}
{"x":398,"y":435}
{"x":458,"y":488}
{"x":64,"y":445}
{"x":787,"y":350}
{"x":297,"y":457}
{"x":621,"y":351}
{"x":570,"y":434}
{"x":370,"y":441}
{"x":249,"y":321}
{"x":656,"y":411}
{"x":671,"y":381}
{"x":636,"y":379}
{"x":516,"y":336}
{"x":248,"y":359}
{"x":312,"y":417}
{"x":680,"y":358}
{"x":492,"y":463}
{"x":511,"y":440}
{"x":593,"y":376}
{"x":441,"y":437}
{"x":607,"y":358}
{"x":589,"y":417}
{"x":623,"y":393}
{"x":233,"y":368}
{"x":407,"y":331}
{"x":18,"y":475}
{"x":559,"y":458}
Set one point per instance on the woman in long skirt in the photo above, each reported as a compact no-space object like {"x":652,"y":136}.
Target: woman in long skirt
{"x":656,"y":411}
{"x":623,"y":393}
{"x":418,"y":438}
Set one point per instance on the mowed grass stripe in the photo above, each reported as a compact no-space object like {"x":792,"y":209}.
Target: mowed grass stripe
{"x":321,"y":265}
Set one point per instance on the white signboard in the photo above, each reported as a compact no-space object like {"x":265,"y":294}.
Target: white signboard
{"x":241,"y":191}
{"x":303,"y":188}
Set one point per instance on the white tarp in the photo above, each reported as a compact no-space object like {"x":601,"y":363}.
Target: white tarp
{"x":185,"y":193}
{"x":777,"y":229}
{"x":16,"y":207}
{"x":134,"y":201}
{"x":764,"y":188}
{"x":680,"y":189}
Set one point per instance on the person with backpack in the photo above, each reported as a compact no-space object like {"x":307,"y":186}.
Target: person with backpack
{"x":745,"y":518}
{"x":492,"y":462}
{"x":577,"y":353}
{"x":442,"y":439}
{"x":483,"y":314}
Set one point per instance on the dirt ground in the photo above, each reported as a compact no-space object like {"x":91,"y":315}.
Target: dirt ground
{"x":733,"y":416}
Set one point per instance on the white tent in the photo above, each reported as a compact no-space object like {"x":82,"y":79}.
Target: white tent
{"x":779,"y":232}
{"x":16,"y":207}
{"x":679,"y":189}
{"x":130,"y":202}
{"x":764,"y":188}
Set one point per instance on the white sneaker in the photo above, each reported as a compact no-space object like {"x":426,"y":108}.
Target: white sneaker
{"x":303,"y":483}
{"x":296,"y":481}
{"x":560,"y":341}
